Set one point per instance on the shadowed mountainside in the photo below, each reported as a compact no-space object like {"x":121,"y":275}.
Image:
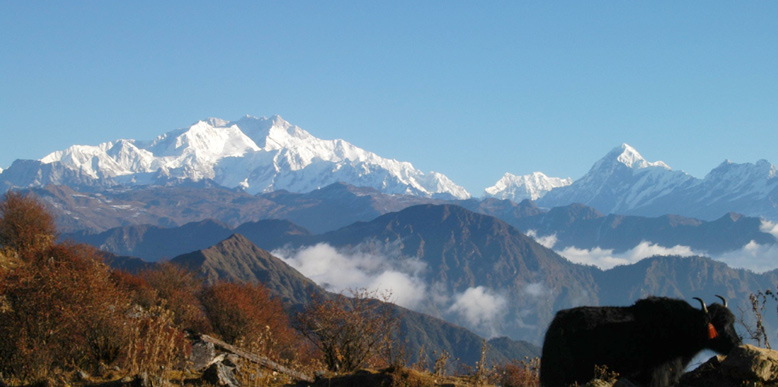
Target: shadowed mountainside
{"x":237,"y":259}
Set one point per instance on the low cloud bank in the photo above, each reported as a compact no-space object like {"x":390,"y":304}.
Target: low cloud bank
{"x":769,"y":227}
{"x":369,"y":267}
{"x":384,"y":268}
{"x":480,"y":308}
{"x":753,"y":256}
{"x":547,"y":241}
{"x":606,"y":258}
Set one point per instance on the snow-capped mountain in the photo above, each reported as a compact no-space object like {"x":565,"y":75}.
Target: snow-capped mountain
{"x":255,"y":154}
{"x":747,"y":188}
{"x":518,"y":188}
{"x":620,"y":181}
{"x":624,"y":182}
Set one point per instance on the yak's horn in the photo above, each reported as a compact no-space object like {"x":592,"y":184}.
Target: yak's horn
{"x":704,"y":307}
{"x":723,"y":300}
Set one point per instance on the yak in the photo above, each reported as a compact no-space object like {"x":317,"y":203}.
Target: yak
{"x":650,"y":343}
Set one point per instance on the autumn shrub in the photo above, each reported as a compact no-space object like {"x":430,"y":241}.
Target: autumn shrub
{"x":178,"y":289}
{"x":246,"y":314}
{"x":519,"y":373}
{"x":61,"y":307}
{"x":348,"y":331}
{"x":154,"y":343}
{"x":60,"y":310}
{"x":137,"y":288}
{"x":25,"y":224}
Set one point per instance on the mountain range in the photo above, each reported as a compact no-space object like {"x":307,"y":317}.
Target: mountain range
{"x":623,"y":182}
{"x":266,"y":155}
{"x":260,"y":199}
{"x":252,"y":154}
{"x":450,"y":263}
{"x":141,"y":222}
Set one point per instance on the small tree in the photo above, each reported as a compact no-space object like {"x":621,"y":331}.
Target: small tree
{"x":757,"y":331}
{"x":178,"y":289}
{"x":348,"y":331}
{"x":244,"y":313}
{"x":25,"y":224}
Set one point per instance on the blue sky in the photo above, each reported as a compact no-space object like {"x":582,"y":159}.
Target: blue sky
{"x":467,"y":89}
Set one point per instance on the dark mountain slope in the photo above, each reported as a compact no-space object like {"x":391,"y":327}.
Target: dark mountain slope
{"x":272,"y":233}
{"x":237,"y":259}
{"x":465,"y":247}
{"x":153,"y":243}
{"x":465,"y":250}
{"x":338,"y":205}
{"x":681,"y":277}
{"x":583,"y":227}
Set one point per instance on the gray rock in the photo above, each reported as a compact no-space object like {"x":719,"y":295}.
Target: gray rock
{"x":202,"y":355}
{"x":745,"y":365}
{"x":748,"y":362}
{"x":220,"y":374}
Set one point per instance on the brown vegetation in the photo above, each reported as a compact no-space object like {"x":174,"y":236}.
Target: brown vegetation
{"x":59,"y":307}
{"x":245,"y":314}
{"x":349,"y":331}
{"x":63,"y":311}
{"x":25,"y":224}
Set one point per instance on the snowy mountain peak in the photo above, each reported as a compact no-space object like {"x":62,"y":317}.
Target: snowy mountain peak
{"x":213,"y":121}
{"x":762,"y":168}
{"x":518,"y":188}
{"x":620,"y":181}
{"x":627,"y":156}
{"x":254,"y":154}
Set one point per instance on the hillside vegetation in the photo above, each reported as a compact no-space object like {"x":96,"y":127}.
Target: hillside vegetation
{"x":67,"y":318}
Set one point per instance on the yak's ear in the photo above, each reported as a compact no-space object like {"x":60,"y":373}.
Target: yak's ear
{"x":712,"y":333}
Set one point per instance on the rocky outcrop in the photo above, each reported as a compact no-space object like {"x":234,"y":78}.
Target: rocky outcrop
{"x":222,"y":370}
{"x":746,"y":365}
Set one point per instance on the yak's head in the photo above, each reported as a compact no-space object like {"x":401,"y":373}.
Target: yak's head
{"x":722,"y":337}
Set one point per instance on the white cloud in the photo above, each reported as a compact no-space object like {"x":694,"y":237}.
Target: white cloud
{"x":547,"y":241}
{"x":769,"y":228}
{"x":535,"y":289}
{"x":408,"y":291}
{"x":480,"y":308}
{"x":753,"y":256}
{"x":371,"y":267}
{"x":606,"y":258}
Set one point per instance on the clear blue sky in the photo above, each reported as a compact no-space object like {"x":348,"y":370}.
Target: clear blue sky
{"x":468,"y":89}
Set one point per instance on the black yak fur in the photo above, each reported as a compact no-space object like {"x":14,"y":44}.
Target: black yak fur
{"x":650,"y":343}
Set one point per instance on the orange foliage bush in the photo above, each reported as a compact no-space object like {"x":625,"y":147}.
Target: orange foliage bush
{"x":246,"y":314}
{"x":179,"y":289}
{"x":60,"y":310}
{"x":349,"y":331}
{"x":136,"y":287}
{"x":25,"y":224}
{"x":519,"y":373}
